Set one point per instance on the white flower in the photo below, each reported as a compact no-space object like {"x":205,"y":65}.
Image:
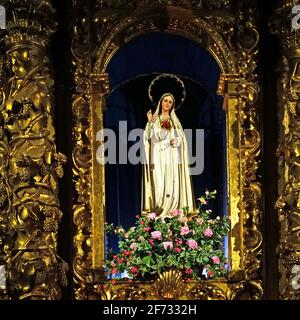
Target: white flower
{"x":202,"y":200}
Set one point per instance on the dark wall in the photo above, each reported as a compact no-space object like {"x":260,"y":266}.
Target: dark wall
{"x":269,"y":57}
{"x":61,"y":44}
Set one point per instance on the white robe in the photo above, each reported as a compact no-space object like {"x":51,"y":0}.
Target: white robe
{"x":166,"y":179}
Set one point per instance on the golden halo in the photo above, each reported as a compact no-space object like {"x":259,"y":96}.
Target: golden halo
{"x":173,"y":82}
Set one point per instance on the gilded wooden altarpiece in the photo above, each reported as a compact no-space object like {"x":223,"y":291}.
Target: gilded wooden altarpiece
{"x":288,"y":152}
{"x":29,"y":162}
{"x":227,"y":29}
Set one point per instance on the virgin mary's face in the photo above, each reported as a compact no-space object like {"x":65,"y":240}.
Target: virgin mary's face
{"x":167,"y":104}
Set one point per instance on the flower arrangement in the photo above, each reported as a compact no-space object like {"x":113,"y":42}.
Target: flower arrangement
{"x":191,"y":243}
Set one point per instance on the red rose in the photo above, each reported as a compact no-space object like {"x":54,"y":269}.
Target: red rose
{"x":189,"y":271}
{"x":134,"y":270}
{"x":114,"y":271}
{"x":210,"y":273}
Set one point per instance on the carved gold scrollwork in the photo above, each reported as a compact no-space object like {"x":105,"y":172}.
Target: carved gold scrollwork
{"x":32,"y":166}
{"x":88,"y":101}
{"x":288,"y":204}
{"x":241,"y":92}
{"x":120,"y":292}
{"x":6,"y":236}
{"x":204,"y":291}
{"x":246,"y":290}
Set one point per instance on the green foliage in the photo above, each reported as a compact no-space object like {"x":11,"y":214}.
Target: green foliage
{"x":182,"y":241}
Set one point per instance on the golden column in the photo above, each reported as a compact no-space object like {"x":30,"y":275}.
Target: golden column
{"x":288,"y":152}
{"x":30,"y":165}
{"x":88,"y":103}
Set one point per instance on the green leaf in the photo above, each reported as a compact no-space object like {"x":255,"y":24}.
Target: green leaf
{"x":147,"y":261}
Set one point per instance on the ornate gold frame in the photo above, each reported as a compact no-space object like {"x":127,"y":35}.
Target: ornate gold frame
{"x":288,"y":204}
{"x":239,"y":86}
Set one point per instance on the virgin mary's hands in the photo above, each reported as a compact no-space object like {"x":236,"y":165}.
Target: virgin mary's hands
{"x":151,"y":117}
{"x":173,"y":142}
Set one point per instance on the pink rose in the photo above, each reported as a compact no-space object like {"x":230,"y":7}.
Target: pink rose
{"x":184,"y":231}
{"x":177,"y":250}
{"x":151,"y":242}
{"x":156,"y":235}
{"x":133,"y":246}
{"x":215,"y":259}
{"x":208,"y":232}
{"x":176,"y":213}
{"x":147,"y":229}
{"x":152,"y":215}
{"x":168,"y":245}
{"x":192,"y":244}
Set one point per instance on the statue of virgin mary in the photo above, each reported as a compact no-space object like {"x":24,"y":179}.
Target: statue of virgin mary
{"x":166,"y":184}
